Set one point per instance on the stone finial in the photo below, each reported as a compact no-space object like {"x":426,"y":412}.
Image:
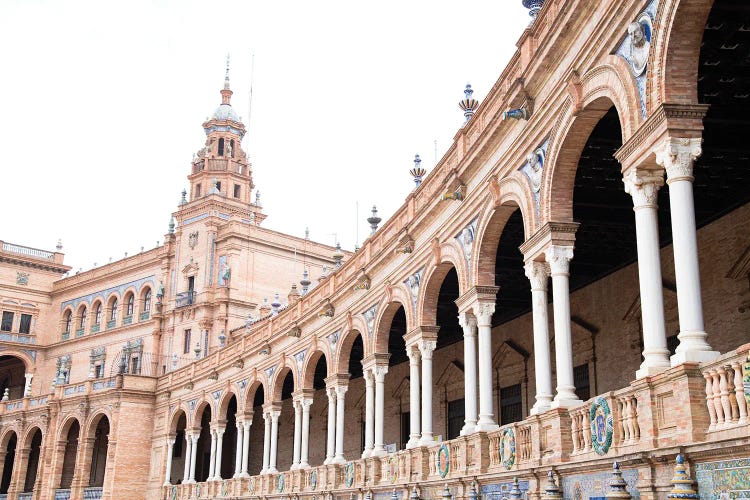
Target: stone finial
{"x":414,"y":494}
{"x":394,"y":495}
{"x":171,"y":224}
{"x":417,"y":172}
{"x":257,"y":199}
{"x":468,"y":104}
{"x":617,"y":485}
{"x":374,"y":220}
{"x":446,"y":494}
{"x":183,"y":200}
{"x":222,"y":339}
{"x":59,"y":246}
{"x":551,"y":490}
{"x":338,"y":256}
{"x":6,"y":394}
{"x":264,"y":308}
{"x":305,"y":282}
{"x":293,"y":295}
{"x":197,"y":350}
{"x":276,"y":304}
{"x":534,"y":7}
{"x":473,"y":493}
{"x":515,"y":491}
{"x":682,"y":484}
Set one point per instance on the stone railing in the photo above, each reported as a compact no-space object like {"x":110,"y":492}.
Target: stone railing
{"x":27,"y":251}
{"x":727,"y":389}
{"x":21,"y":338}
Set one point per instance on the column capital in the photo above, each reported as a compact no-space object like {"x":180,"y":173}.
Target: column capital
{"x":538,"y":274}
{"x":483,"y":311}
{"x":413,"y":353}
{"x":677,"y":155}
{"x":559,"y":258}
{"x":426,"y":347}
{"x":170,"y":440}
{"x":468,"y":322}
{"x":643,"y":186}
{"x":379,"y":372}
{"x":466,"y":301}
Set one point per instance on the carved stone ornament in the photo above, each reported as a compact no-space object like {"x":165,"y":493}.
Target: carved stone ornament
{"x":22,"y":278}
{"x":370,"y":318}
{"x":677,"y":156}
{"x":535,"y":165}
{"x":294,"y":331}
{"x":538,"y":274}
{"x":193,"y":239}
{"x":559,"y":258}
{"x":644,"y":188}
{"x":639,"y":33}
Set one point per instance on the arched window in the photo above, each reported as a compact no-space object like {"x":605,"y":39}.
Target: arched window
{"x":82,"y":319}
{"x":98,"y":313}
{"x":147,"y":301}
{"x":129,"y":305}
{"x":113,"y":311}
{"x":221,"y":147}
{"x":67,"y":319}
{"x":231,"y":143}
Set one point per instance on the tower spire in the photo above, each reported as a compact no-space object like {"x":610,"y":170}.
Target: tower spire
{"x":226,"y":92}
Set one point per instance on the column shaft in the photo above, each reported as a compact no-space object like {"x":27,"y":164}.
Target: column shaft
{"x":331,"y":435}
{"x":483,"y":312}
{"x":538,"y":275}
{"x":369,"y":413}
{"x":245,"y":448}
{"x":340,"y":422}
{"x":193,"y":456}
{"x":304,"y":458}
{"x":469,"y":326}
{"x":266,"y":443}
{"x":219,"y":452}
{"x":414,"y":392}
{"x":238,"y":450}
{"x":426,"y":347}
{"x":297,"y":434}
{"x":188,"y":455}
{"x":274,"y":440}
{"x":212,"y":461}
{"x":168,"y":468}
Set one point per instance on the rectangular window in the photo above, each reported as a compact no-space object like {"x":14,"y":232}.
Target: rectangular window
{"x":456,"y":416}
{"x":405,"y":424}
{"x":197,"y":191}
{"x":236,"y":190}
{"x":186,"y":345}
{"x":581,"y":381}
{"x":7,"y":323}
{"x":510,"y":404}
{"x":218,"y":186}
{"x":99,"y":371}
{"x":25,"y":326}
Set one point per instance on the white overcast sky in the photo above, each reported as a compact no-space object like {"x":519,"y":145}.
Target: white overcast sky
{"x":101,"y":105}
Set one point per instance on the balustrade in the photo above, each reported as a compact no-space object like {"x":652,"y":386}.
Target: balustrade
{"x":725,"y":395}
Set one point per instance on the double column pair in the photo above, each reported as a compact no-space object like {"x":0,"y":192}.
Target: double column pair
{"x":420,"y":360}
{"x":336,"y":387}
{"x":302,"y":402}
{"x":374,"y":368}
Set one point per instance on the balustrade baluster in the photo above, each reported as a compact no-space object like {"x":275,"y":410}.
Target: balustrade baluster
{"x":739,"y":392}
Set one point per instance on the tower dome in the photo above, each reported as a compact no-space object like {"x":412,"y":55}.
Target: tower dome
{"x":225,"y":112}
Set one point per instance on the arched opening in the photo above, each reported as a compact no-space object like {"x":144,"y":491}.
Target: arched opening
{"x":221,"y":146}
{"x":397,"y":419}
{"x":203,"y":447}
{"x":97,"y":315}
{"x":32,"y":467}
{"x":229,"y":446}
{"x":112,"y":321}
{"x":179,"y":450}
{"x":256,"y":400}
{"x":82,"y":319}
{"x":146,"y":304}
{"x":318,"y":413}
{"x":231,"y":144}
{"x":67,"y":321}
{"x":9,"y":461}
{"x":69,"y":455}
{"x":99,"y":453}
{"x":285,"y":446}
{"x":129,"y":306}
{"x":12,"y":377}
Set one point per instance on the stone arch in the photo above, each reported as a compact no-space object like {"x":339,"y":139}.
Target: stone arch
{"x":29,"y":434}
{"x":383,"y":323}
{"x":223,"y":404}
{"x":277,"y":385}
{"x":607,"y":85}
{"x":430,"y":289}
{"x":28,"y":361}
{"x":344,"y":350}
{"x":675,"y":51}
{"x":200,"y":407}
{"x":7,"y":433}
{"x":308,"y":370}
{"x":491,"y":225}
{"x":90,"y":428}
{"x":175,"y":418}
{"x":68,"y":421}
{"x":249,"y":396}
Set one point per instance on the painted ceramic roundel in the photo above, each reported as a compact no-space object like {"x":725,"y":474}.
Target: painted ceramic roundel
{"x":602,"y":427}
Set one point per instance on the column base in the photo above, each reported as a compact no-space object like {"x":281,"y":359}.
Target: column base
{"x":339,"y":460}
{"x":366,"y":453}
{"x":649,"y":370}
{"x":566,"y":402}
{"x":426,"y":439}
{"x":294,"y":467}
{"x":541,"y":406}
{"x":486,"y":423}
{"x":272,"y":470}
{"x":244,"y":475}
{"x":413,"y":442}
{"x":693,"y":348}
{"x":167,"y":483}
{"x":304,"y":465}
{"x":469,"y":427}
{"x":328,"y":461}
{"x":378,"y":452}
{"x":190,"y":481}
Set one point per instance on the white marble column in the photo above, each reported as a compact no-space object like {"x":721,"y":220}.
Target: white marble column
{"x":266,"y":442}
{"x":168,"y":472}
{"x":369,"y":412}
{"x":538,"y":274}
{"x":274,"y":440}
{"x":27,"y":385}
{"x":246,"y":447}
{"x":219,"y":452}
{"x":188,"y":456}
{"x":677,"y":156}
{"x":426,"y":347}
{"x":469,"y":325}
{"x":212,"y":460}
{"x":559,"y":258}
{"x":238,"y":449}
{"x":304,"y":461}
{"x":483,"y":312}
{"x":379,"y":371}
{"x":644,"y":188}
{"x":331,"y":436}
{"x":414,"y":417}
{"x":193,"y":456}
{"x":340,"y":422}
{"x":297,"y":433}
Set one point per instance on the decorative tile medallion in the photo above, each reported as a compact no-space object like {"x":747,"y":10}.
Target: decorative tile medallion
{"x":508,"y":448}
{"x":466,"y":240}
{"x":173,"y":493}
{"x":635,"y":48}
{"x":313,"y":479}
{"x":443,"y":460}
{"x":412,"y":283}
{"x":746,"y":380}
{"x":280,"y":483}
{"x":349,"y":474}
{"x":251,"y":485}
{"x":723,"y":480}
{"x":370,"y":319}
{"x":392,"y":468}
{"x":333,"y":339}
{"x":602,"y":426}
{"x":224,"y":488}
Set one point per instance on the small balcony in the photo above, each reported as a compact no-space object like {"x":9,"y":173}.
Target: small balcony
{"x":111,"y":324}
{"x":21,"y":338}
{"x":145,"y":315}
{"x":127,"y":320}
{"x":184,"y":299}
{"x":95,"y":328}
{"x":79,"y":332}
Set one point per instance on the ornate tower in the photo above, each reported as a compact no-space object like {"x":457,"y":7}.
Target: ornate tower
{"x":222,"y":168}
